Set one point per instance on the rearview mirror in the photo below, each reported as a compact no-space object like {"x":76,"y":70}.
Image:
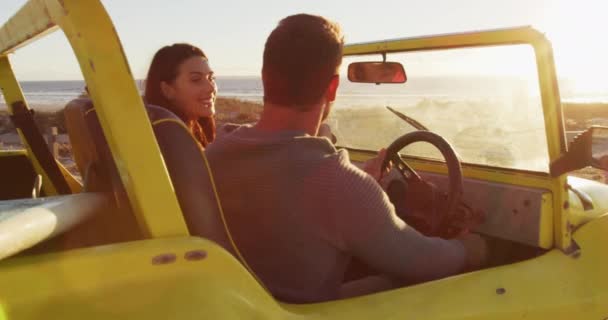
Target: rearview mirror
{"x":590,"y":148}
{"x":376,"y":72}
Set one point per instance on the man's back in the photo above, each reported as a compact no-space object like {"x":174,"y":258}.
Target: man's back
{"x":278,"y":194}
{"x":298,"y":210}
{"x":295,"y":206}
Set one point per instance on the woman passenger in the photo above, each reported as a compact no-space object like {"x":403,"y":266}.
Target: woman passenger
{"x":181,"y":80}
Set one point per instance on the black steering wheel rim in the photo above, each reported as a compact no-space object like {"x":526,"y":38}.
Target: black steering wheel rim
{"x":455,"y":185}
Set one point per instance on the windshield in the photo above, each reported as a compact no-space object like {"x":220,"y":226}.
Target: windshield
{"x":484,"y":101}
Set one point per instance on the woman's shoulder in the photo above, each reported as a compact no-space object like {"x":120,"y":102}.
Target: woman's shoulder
{"x":228,"y":128}
{"x":158,"y":113}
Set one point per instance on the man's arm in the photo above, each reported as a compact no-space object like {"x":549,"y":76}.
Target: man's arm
{"x":402,"y":252}
{"x":370,"y":230}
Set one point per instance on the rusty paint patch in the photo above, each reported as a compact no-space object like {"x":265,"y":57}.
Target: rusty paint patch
{"x":92,"y":65}
{"x":62,"y":4}
{"x":570,"y":227}
{"x":164,"y":258}
{"x":46,"y":12}
{"x":195,"y":255}
{"x":122,"y":52}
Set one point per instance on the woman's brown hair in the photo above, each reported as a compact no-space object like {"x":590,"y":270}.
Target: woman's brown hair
{"x":165,"y":67}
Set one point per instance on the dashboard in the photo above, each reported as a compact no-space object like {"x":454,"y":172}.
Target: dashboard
{"x":514,"y":213}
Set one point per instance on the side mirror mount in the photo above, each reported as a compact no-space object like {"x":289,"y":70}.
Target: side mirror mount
{"x":376,"y":72}
{"x":589,"y":148}
{"x":599,"y":147}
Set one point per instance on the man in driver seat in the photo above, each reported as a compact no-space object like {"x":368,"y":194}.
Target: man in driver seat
{"x":296,"y":207}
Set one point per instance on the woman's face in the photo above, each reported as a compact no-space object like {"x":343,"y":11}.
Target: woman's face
{"x":194,"y":90}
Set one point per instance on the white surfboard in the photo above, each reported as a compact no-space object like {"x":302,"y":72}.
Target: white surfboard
{"x":27,"y":222}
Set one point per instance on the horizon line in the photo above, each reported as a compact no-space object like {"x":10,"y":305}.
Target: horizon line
{"x":72,"y":80}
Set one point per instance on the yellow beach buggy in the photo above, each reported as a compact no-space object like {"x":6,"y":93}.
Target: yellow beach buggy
{"x":117,"y":245}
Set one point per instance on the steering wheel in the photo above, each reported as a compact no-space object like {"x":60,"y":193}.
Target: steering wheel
{"x":420,"y":203}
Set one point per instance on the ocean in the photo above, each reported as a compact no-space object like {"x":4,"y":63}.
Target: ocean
{"x":489,"y":121}
{"x":53,"y":95}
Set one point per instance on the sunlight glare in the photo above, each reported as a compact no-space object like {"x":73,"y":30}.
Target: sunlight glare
{"x":576,"y":30}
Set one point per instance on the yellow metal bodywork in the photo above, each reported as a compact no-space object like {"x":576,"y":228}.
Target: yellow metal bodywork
{"x":152,"y":279}
{"x":552,"y":109}
{"x":579,"y":215}
{"x":115,"y":96}
{"x":12,"y":153}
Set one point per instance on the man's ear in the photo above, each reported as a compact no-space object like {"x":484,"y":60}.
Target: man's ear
{"x":332,"y":89}
{"x":167,"y":90}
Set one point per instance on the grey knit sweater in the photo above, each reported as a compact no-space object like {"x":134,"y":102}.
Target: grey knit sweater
{"x":298,"y":211}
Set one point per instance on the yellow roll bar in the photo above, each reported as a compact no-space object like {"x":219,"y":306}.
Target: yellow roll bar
{"x":120,"y":109}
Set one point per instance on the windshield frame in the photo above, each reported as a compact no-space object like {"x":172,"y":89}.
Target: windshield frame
{"x":549,"y":90}
{"x":549,"y":94}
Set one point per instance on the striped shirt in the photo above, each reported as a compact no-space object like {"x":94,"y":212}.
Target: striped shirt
{"x":299,"y":210}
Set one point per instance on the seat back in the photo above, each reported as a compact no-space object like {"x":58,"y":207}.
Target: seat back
{"x":184,"y":158}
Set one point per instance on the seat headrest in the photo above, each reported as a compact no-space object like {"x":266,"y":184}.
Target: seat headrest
{"x":81,"y":122}
{"x":183,"y":156}
{"x":83,"y":148}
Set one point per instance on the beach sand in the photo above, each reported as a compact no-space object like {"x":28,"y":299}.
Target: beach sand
{"x":228,"y":110}
{"x":239,"y":111}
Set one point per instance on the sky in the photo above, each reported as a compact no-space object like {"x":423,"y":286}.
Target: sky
{"x":232,"y":32}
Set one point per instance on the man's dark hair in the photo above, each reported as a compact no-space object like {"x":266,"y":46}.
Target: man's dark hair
{"x":301,"y":56}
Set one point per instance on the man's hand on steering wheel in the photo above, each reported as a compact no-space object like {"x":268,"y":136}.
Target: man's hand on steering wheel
{"x":423,"y":205}
{"x":374,"y":166}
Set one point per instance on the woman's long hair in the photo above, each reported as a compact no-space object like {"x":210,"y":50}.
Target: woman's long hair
{"x":164,"y":67}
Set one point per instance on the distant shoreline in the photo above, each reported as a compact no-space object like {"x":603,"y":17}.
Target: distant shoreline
{"x":578,"y":115}
{"x":239,"y":111}
{"x":227,"y":110}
